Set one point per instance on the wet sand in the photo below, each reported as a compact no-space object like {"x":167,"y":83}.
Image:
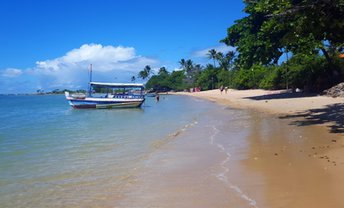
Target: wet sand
{"x":243,"y":158}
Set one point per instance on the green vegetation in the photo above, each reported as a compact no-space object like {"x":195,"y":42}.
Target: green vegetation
{"x":279,"y":44}
{"x":166,"y":81}
{"x":58,"y":91}
{"x":145,"y":73}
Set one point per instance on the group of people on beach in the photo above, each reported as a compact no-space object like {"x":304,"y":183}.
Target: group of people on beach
{"x":223,"y":88}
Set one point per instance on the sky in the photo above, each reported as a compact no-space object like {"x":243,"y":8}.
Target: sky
{"x":50,"y":44}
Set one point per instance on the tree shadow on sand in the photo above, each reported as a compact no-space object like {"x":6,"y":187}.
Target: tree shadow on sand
{"x":283,"y":95}
{"x":331,"y":115}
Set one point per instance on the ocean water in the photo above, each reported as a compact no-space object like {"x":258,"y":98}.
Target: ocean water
{"x":54,"y":156}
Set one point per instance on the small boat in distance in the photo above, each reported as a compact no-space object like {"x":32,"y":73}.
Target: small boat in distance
{"x":109,"y":95}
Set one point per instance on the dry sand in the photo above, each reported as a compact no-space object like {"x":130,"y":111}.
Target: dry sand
{"x":275,"y":102}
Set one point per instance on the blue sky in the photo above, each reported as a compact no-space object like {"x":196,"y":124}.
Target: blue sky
{"x":49,"y":44}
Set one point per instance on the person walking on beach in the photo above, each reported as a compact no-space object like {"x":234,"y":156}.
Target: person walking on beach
{"x":226,"y":89}
{"x":157,"y":98}
{"x":221,"y":89}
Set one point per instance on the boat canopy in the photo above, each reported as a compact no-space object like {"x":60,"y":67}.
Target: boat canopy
{"x":117,"y":85}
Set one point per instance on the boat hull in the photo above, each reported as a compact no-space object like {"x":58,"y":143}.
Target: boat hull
{"x":106,"y":102}
{"x":82,"y":104}
{"x":120,"y":101}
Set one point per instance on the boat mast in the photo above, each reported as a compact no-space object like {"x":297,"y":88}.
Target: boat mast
{"x":90,"y":87}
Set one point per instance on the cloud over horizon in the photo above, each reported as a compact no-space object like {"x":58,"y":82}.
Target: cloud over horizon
{"x":110,"y":64}
{"x":11,"y":72}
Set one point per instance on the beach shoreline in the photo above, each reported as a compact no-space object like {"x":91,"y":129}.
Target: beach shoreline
{"x":248,"y":153}
{"x":301,"y":110}
{"x":305,"y":109}
{"x":277,"y":102}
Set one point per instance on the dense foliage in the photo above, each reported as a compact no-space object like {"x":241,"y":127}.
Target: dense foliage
{"x":279,"y":44}
{"x":299,"y":26}
{"x":168,"y":81}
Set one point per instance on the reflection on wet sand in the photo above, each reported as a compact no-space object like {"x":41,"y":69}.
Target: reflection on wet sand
{"x":238,"y":158}
{"x":287,"y":159}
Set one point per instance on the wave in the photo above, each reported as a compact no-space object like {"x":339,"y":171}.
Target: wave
{"x":160,"y":142}
{"x":222,"y":175}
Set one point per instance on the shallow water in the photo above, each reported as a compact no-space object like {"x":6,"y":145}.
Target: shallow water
{"x":54,"y":156}
{"x":238,"y":158}
{"x":180,"y":152}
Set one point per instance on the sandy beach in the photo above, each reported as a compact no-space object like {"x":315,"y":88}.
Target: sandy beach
{"x":321,"y":116}
{"x":274,"y":102}
{"x":259,"y":149}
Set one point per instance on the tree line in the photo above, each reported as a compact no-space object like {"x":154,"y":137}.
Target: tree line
{"x":278,"y":45}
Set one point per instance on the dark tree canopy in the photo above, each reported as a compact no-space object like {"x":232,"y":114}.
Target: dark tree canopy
{"x":309,"y":32}
{"x":299,"y":26}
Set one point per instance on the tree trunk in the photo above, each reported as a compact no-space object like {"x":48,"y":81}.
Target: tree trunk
{"x":333,"y":73}
{"x":327,"y":56}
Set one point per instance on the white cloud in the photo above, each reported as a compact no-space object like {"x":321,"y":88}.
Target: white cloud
{"x":97,"y":52}
{"x":11,"y":72}
{"x":177,"y":69}
{"x":103,"y":58}
{"x":220,"y":48}
{"x":110,"y":64}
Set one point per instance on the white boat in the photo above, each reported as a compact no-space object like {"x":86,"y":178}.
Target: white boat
{"x":114,"y":95}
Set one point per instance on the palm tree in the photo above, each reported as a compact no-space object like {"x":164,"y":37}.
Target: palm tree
{"x":230,"y":57}
{"x":145,"y":73}
{"x":186,"y":65}
{"x":162,"y":70}
{"x":189,"y":69}
{"x":225,"y":61}
{"x":212,"y":55}
{"x":148,"y":71}
{"x":221,"y":59}
{"x":182,"y":63}
{"x":189,"y":65}
{"x":133,"y":78}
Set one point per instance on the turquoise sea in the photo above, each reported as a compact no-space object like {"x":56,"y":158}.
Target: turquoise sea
{"x":54,"y":156}
{"x":179,"y":152}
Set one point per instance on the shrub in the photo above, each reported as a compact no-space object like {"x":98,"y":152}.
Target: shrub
{"x":274,"y":79}
{"x":312,"y":72}
{"x":248,"y":79}
{"x":208,"y":78}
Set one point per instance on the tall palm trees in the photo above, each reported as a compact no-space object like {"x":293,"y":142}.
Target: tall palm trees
{"x":133,"y":78}
{"x":191,"y":71}
{"x":221,"y":60}
{"x":187,"y":66}
{"x":212,"y":55}
{"x":230,"y":56}
{"x":145,"y":73}
{"x":225,"y":61}
{"x":162,"y":71}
